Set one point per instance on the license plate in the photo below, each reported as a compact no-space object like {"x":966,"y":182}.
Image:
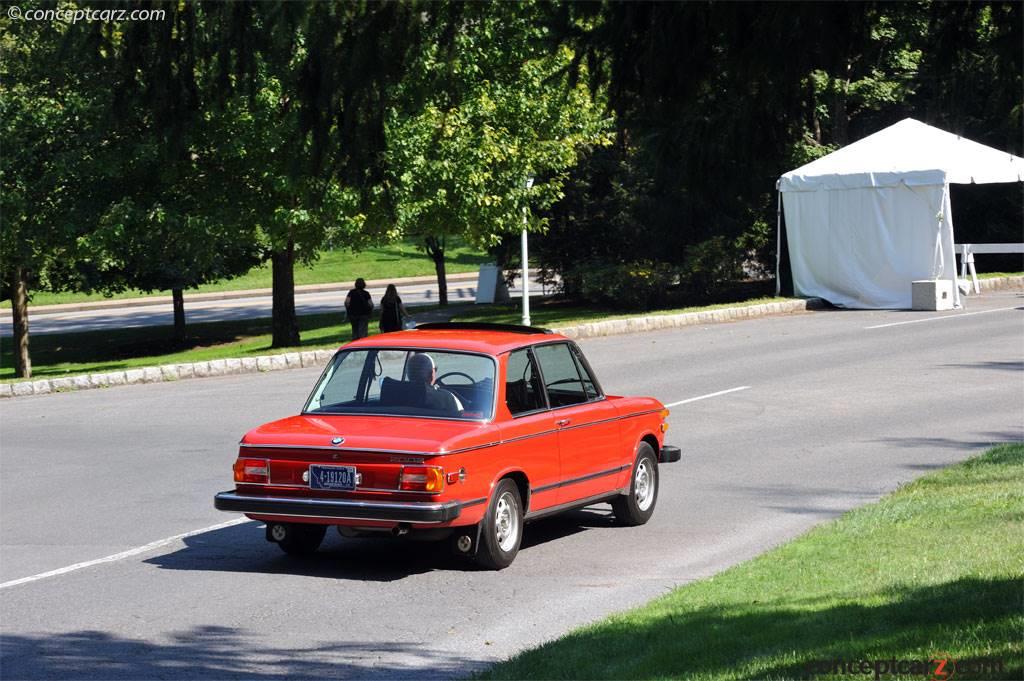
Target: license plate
{"x":332,"y":477}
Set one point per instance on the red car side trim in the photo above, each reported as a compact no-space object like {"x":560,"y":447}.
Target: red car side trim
{"x":582,"y":478}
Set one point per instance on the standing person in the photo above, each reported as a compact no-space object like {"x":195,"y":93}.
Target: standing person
{"x":359,"y":306}
{"x":392,"y":312}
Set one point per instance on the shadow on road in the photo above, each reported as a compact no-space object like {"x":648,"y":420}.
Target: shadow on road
{"x":243,"y":549}
{"x":214,"y":652}
{"x":979,"y":442}
{"x":1003,"y":366}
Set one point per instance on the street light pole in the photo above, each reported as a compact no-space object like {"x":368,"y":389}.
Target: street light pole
{"x":526,"y":266}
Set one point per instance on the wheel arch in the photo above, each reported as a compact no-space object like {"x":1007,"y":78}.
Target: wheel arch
{"x":522,"y":483}
{"x":652,"y":440}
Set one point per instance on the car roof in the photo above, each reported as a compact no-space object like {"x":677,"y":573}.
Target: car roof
{"x":488,"y":342}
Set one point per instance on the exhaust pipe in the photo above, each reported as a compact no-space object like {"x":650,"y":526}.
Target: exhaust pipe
{"x":400,"y":529}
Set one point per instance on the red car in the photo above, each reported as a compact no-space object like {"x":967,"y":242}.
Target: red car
{"x":459,"y":431}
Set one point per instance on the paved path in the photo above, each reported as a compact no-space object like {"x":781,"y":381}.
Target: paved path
{"x":461,"y":289}
{"x":838,"y":408}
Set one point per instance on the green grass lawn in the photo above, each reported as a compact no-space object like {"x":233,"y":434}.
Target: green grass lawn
{"x":60,"y":355}
{"x":555,"y":313}
{"x":402,"y":259}
{"x":934,"y":569}
{"x":993,"y":275}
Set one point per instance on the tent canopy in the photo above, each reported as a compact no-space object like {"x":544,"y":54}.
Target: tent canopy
{"x":909,"y":153}
{"x":867,"y":220}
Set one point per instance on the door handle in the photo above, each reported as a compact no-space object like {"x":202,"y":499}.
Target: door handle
{"x":562,"y":422}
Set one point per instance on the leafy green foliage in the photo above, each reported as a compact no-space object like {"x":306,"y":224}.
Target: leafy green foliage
{"x":52,"y":151}
{"x":638,"y":285}
{"x":482,"y":113}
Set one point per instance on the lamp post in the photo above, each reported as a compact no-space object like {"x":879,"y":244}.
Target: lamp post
{"x":526,"y":266}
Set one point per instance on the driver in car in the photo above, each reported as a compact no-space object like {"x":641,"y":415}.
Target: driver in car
{"x":422,"y":370}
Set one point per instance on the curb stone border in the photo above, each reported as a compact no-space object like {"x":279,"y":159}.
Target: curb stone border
{"x":319,"y":358}
{"x":169,"y":372}
{"x":614,"y":327}
{"x":1001,"y":283}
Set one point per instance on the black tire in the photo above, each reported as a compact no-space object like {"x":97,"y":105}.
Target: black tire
{"x":501,"y":530}
{"x":302,"y":539}
{"x":637,"y":507}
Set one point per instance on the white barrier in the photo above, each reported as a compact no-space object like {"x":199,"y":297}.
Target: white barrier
{"x":967,"y":252}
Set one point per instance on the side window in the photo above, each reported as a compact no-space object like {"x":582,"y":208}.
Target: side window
{"x":561,"y":378}
{"x":589,"y":385}
{"x":523,"y":391}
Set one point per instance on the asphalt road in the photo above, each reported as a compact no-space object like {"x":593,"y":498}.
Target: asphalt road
{"x":837,"y":409}
{"x":197,"y":310}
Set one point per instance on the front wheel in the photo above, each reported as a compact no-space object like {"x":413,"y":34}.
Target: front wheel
{"x":637,"y":507}
{"x":502,"y":529}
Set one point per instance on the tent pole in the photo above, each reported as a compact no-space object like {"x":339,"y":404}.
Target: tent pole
{"x":778,"y":239}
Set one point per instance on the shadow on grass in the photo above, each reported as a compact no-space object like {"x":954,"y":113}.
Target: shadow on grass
{"x":107,"y":350}
{"x":217,"y":652}
{"x":969,"y":617}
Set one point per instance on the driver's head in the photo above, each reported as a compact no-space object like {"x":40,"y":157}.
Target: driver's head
{"x":421,"y":368}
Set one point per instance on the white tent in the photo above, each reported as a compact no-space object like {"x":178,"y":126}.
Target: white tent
{"x":867,"y":220}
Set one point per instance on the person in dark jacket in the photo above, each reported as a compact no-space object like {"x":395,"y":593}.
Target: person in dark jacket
{"x":392,"y":312}
{"x":359,"y":307}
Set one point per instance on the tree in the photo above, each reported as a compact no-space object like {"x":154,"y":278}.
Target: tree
{"x":712,"y":103}
{"x":479,"y":114}
{"x":52,"y":151}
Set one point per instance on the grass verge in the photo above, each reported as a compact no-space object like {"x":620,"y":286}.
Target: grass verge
{"x":935,"y":569}
{"x":402,"y":259}
{"x":554,"y":313}
{"x":86,"y":352}
{"x":996,"y":275}
{"x":62,"y":355}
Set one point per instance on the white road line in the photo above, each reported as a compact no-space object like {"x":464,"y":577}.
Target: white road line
{"x":948,"y":316}
{"x":704,"y":397}
{"x":124,"y":554}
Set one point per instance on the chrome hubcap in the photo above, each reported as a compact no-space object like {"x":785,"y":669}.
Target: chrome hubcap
{"x":506,"y":522}
{"x":643,"y":485}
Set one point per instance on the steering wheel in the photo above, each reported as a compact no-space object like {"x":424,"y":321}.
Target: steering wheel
{"x":440,"y":379}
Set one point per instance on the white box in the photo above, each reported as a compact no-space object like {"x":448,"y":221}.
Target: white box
{"x":932,"y":294}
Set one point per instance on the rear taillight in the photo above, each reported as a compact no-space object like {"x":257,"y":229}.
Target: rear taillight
{"x":421,"y":479}
{"x":252,"y":470}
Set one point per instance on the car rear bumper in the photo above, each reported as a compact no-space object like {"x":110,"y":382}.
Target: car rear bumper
{"x":424,"y":512}
{"x":669,"y":454}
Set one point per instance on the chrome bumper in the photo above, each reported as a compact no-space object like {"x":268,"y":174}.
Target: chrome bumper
{"x":425,"y":512}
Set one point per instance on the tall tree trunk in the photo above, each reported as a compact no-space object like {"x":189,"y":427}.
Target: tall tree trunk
{"x":840,"y":113}
{"x":179,"y":313}
{"x":285,"y":322}
{"x":19,"y":314}
{"x":435,"y":249}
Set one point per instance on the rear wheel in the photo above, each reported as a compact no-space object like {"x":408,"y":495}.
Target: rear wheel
{"x":296,"y":539}
{"x":502,"y":528}
{"x":637,"y":507}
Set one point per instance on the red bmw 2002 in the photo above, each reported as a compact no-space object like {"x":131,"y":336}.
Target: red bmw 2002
{"x":459,"y":431}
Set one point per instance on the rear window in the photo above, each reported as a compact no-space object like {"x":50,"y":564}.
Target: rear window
{"x":406,"y":382}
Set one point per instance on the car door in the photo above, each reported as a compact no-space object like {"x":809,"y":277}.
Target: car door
{"x":531,"y":437}
{"x":589,"y":445}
